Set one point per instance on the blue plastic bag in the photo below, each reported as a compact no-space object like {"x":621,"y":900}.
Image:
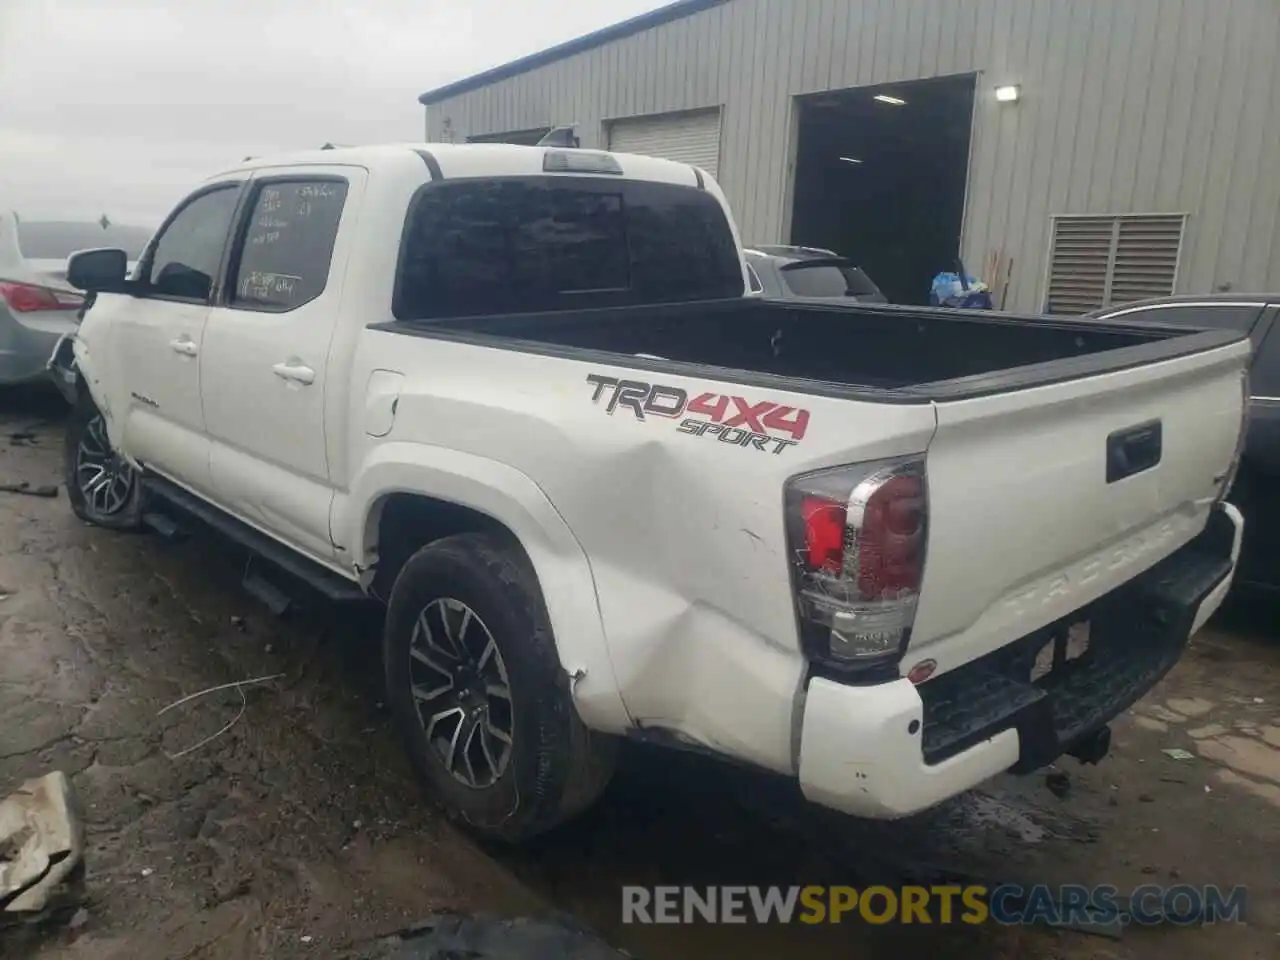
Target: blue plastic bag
{"x":947,"y":291}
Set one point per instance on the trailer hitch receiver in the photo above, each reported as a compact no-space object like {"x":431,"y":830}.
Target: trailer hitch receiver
{"x":1093,"y":747}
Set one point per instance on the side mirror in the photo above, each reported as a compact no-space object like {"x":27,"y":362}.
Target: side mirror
{"x":98,"y":270}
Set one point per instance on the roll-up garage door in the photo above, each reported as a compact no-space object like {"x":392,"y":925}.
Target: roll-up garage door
{"x":692,"y":138}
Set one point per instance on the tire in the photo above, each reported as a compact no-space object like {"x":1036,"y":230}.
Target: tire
{"x":118,"y":506}
{"x":465,"y":619}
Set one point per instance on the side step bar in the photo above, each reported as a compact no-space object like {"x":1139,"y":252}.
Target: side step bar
{"x":169,"y":496}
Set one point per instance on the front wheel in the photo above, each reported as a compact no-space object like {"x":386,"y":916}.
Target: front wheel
{"x":104,"y":489}
{"x":479,"y":695}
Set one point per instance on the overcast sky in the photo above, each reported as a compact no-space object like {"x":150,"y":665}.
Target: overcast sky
{"x":120,"y":106}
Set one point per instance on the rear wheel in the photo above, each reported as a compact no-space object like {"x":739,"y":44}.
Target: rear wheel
{"x":104,"y":489}
{"x":479,"y":695}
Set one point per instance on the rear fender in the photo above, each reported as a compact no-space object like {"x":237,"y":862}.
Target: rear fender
{"x":511,"y":498}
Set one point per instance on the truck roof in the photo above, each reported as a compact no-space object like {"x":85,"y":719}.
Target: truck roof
{"x":470,"y":160}
{"x":1222,"y":299}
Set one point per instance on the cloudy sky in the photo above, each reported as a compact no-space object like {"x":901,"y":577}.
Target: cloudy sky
{"x":120,"y":106}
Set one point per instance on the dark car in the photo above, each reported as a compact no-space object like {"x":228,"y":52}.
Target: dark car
{"x":808,"y":273}
{"x":1258,"y":480}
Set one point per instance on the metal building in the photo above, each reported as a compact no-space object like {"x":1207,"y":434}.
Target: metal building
{"x":1133,"y":148}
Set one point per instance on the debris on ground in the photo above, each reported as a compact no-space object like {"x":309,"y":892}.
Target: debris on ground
{"x":1059,"y":784}
{"x":236,"y":685}
{"x":48,"y":491}
{"x":245,"y":838}
{"x":41,"y":849}
{"x":485,"y":938}
{"x":1177,"y":753}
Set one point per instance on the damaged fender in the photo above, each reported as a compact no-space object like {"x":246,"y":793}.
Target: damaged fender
{"x":514,"y":500}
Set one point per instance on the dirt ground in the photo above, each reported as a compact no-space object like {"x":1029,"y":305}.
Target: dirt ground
{"x":300,"y":831}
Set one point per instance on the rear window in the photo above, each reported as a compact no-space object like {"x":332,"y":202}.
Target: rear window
{"x":57,"y":240}
{"x":828,"y":281}
{"x":482,"y":247}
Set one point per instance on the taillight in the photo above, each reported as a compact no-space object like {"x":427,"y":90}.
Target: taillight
{"x":857,"y":538}
{"x":29,"y":298}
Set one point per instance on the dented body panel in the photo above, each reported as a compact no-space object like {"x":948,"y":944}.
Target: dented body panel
{"x":649,"y":494}
{"x":682,"y":526}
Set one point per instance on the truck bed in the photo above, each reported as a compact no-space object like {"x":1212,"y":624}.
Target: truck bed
{"x":889,"y":351}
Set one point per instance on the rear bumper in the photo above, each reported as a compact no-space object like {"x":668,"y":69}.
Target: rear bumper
{"x":894,"y":749}
{"x":25,"y":346}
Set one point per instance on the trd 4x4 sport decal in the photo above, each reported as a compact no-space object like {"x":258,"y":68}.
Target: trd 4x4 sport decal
{"x":730,"y":420}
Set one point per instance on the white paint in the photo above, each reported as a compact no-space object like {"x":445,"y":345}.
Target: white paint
{"x":858,"y":754}
{"x":661,"y":559}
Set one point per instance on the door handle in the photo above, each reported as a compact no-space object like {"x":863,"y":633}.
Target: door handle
{"x":1134,"y":450}
{"x":185,"y":346}
{"x":297,"y":372}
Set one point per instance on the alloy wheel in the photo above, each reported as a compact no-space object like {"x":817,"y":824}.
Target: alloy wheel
{"x":105,"y":479}
{"x":461,"y":692}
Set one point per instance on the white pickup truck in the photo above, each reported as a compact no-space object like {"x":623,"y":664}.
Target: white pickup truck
{"x":520,"y":396}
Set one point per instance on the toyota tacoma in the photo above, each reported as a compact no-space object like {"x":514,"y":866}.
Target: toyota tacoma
{"x":521,"y":396}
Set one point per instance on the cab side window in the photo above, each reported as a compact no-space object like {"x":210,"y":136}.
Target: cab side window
{"x":186,"y":255}
{"x":287,"y":244}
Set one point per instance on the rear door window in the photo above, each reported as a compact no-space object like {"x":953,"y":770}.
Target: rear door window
{"x":523,"y":245}
{"x":288,"y":243}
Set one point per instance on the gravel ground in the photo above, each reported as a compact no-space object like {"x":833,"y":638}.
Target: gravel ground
{"x":300,"y":831}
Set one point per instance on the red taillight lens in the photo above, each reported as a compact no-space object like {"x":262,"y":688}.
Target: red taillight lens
{"x":857,"y":536}
{"x":824,"y":526}
{"x":29,"y":298}
{"x":891,"y":538}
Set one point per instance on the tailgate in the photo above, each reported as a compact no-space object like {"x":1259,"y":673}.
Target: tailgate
{"x":1045,"y":499}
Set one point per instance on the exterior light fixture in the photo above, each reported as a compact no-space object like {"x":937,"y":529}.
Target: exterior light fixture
{"x":894,"y":101}
{"x":1009,"y":93}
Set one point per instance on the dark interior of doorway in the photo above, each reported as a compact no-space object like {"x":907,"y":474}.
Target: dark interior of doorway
{"x":883,"y":183}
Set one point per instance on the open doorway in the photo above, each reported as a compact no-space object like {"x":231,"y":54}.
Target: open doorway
{"x":880,"y":179}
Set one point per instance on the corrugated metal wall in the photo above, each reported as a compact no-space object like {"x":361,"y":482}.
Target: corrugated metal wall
{"x":1127,"y":106}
